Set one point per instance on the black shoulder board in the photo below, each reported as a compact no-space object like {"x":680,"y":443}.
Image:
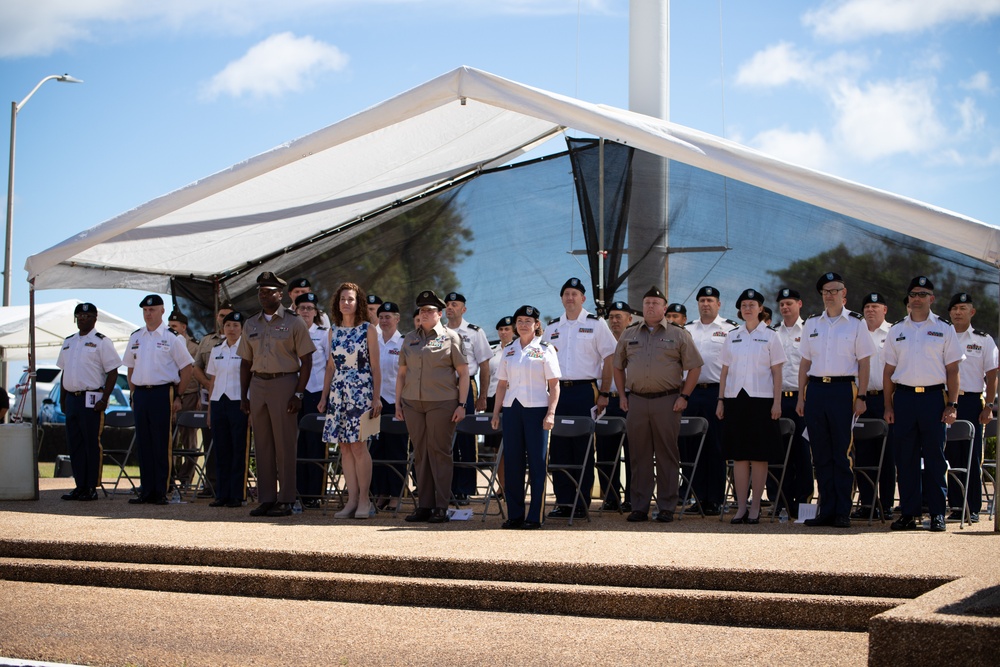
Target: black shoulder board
{"x":554,"y":321}
{"x":99,"y":334}
{"x":219,"y":344}
{"x":172,"y":331}
{"x":774,"y":328}
{"x":733,"y":323}
{"x":814,"y":315}
{"x":672,"y":323}
{"x":898,"y":321}
{"x":473,"y":327}
{"x":855,"y":314}
{"x":591,"y":316}
{"x":545,"y":344}
{"x":635,"y":324}
{"x":319,"y":328}
{"x":136,"y":331}
{"x":981,"y":333}
{"x":73,"y":334}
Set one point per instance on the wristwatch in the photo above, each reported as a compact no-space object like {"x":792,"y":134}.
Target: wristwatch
{"x":299,"y":395}
{"x":953,"y":405}
{"x":605,"y":394}
{"x":862,"y":398}
{"x":686,"y":397}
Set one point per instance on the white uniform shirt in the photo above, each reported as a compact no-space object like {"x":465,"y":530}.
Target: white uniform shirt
{"x":86,"y":361}
{"x":320,"y":336}
{"x":750,"y":356}
{"x":156,"y":357}
{"x":388,"y":359}
{"x":709,"y":339}
{"x":791,"y":338}
{"x":835,"y":345}
{"x":581,"y":344}
{"x":921,"y":350}
{"x":877,"y":362}
{"x":527,"y":371}
{"x":980,"y":357}
{"x":475,"y":345}
{"x":224,"y":368}
{"x":494,"y":369}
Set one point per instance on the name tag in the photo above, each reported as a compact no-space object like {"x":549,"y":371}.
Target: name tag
{"x":814,"y":334}
{"x":936,"y":334}
{"x":90,"y":344}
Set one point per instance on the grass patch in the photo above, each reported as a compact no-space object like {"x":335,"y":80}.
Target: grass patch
{"x":46,"y":469}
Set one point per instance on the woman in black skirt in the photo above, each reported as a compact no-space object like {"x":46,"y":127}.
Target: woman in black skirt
{"x":750,"y":402}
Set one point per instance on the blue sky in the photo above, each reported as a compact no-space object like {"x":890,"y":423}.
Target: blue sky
{"x":897,"y":94}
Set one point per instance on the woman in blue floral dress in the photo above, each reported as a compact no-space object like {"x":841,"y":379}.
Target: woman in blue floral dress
{"x":351,"y":389}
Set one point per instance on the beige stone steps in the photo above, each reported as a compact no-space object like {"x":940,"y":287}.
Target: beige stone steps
{"x":729,"y":608}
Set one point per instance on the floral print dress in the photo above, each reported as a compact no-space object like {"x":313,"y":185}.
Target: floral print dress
{"x":351,"y":390}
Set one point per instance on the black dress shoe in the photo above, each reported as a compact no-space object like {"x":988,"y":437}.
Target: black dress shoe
{"x":512,"y":523}
{"x":262,"y":509}
{"x":937,"y":523}
{"x":820,"y":521}
{"x":158,"y":500}
{"x":626,"y":506}
{"x":841,"y":521}
{"x":140,"y":500}
{"x":636,"y":516}
{"x":753,"y":520}
{"x":280,"y":509}
{"x":314,"y":504}
{"x":580,"y":513}
{"x":738,"y":519}
{"x":206,"y":493}
{"x":610,"y":505}
{"x":904,"y":522}
{"x":711,"y":509}
{"x":234,"y":503}
{"x":221,"y":502}
{"x":419,"y":516}
{"x":974,"y":517}
{"x":439,"y":515}
{"x":862,"y":512}
{"x":561,"y":512}
{"x":89,"y":494}
{"x":461,"y":499}
{"x":72,"y":495}
{"x":531,"y":525}
{"x":665,"y":517}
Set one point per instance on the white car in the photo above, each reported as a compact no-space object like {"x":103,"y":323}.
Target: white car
{"x":45,"y":378}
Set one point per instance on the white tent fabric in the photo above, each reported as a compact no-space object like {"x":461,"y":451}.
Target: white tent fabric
{"x":423,"y":139}
{"x":53,"y":323}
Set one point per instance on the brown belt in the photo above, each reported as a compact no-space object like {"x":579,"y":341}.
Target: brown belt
{"x":271,"y":376}
{"x":655,"y":394}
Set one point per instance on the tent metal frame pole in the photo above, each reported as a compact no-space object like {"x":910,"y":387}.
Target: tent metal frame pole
{"x":600,"y":225}
{"x":31,"y":386}
{"x":996,"y":510}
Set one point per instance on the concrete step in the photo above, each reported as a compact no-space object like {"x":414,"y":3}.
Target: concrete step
{"x":715,"y":607}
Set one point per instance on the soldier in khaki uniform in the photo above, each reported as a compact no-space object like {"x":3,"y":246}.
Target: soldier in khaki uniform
{"x":277,"y":360}
{"x":433,"y":373}
{"x":649,"y":365}
{"x":190,"y":398}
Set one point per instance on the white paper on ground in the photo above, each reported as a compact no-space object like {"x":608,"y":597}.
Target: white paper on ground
{"x":806,"y":511}
{"x":459,"y":515}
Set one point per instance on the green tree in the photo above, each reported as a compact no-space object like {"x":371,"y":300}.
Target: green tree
{"x":887,"y":268}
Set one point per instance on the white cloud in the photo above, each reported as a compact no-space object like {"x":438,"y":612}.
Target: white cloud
{"x":978,"y":82}
{"x":886,"y":118}
{"x":973,"y":119}
{"x":809,"y":149}
{"x":43,"y":27}
{"x":783,"y":64}
{"x":280,"y":64}
{"x":850,"y":20}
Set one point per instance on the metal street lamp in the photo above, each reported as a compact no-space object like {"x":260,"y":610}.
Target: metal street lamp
{"x":14,"y":108}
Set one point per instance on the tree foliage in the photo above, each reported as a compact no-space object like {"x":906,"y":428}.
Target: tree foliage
{"x":887,"y":268}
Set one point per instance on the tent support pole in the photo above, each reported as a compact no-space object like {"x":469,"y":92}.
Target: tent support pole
{"x":600,"y":226}
{"x":31,"y":386}
{"x":996,"y":513}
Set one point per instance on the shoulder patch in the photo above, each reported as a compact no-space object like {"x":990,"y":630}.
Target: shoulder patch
{"x":472,"y":326}
{"x":856,"y":315}
{"x":100,"y":335}
{"x":591,"y":316}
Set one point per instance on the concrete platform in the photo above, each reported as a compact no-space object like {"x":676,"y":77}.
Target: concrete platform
{"x":581,"y":592}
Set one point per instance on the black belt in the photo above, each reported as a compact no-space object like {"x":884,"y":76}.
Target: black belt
{"x":152,"y":386}
{"x":874,"y":392}
{"x":271,"y":376}
{"x":612,"y":394}
{"x":789,"y":394}
{"x":81,"y":393}
{"x":570,"y":383}
{"x":919,"y":390}
{"x":707,"y":385}
{"x":827,"y":379}
{"x":655,"y":394}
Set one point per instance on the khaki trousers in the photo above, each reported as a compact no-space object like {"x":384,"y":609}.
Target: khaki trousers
{"x":275,"y":434}
{"x":431,"y":430}
{"x":653,"y":427}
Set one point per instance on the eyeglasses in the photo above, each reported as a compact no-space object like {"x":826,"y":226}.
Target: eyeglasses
{"x":832,"y":291}
{"x":297,"y":308}
{"x":920,"y":295}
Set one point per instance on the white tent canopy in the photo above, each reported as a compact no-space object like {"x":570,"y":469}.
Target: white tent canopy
{"x":53,"y":323}
{"x":422,"y":140}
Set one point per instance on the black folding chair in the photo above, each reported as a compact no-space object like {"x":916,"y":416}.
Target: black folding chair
{"x":691,"y":427}
{"x":574,"y":427}
{"x":990,"y":478}
{"x":191,"y":419}
{"x":872,"y":433}
{"x":481,"y":425}
{"x":118,"y":420}
{"x":390,"y":426}
{"x":313,"y":423}
{"x":786,"y":428}
{"x":610,"y":427}
{"x":962,"y":431}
